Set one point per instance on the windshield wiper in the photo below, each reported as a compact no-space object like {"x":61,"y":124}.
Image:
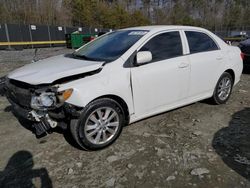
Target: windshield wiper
{"x":84,"y":57}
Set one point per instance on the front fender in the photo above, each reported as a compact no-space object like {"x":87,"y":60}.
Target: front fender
{"x":89,"y":88}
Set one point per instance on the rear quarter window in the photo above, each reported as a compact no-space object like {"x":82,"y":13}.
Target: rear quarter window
{"x":200,"y":42}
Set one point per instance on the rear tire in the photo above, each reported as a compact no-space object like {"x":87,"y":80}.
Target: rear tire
{"x":99,"y":125}
{"x":223,"y":89}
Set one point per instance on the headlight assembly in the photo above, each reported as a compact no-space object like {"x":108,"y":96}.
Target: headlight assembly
{"x":47,"y":100}
{"x":44,"y":100}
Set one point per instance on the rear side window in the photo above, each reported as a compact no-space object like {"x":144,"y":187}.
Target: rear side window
{"x":164,"y":46}
{"x":200,"y":42}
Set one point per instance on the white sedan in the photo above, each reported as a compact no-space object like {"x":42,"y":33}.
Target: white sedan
{"x":122,"y":77}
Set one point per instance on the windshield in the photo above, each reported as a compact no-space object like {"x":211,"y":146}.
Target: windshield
{"x":111,"y":46}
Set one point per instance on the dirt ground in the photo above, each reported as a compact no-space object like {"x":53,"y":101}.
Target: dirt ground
{"x":200,"y":145}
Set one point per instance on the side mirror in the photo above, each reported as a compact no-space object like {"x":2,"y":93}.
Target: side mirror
{"x":143,"y":57}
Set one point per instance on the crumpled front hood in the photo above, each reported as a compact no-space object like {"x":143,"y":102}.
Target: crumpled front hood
{"x":51,"y":69}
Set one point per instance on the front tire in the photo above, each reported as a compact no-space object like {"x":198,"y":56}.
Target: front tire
{"x":223,"y":89}
{"x":99,"y":125}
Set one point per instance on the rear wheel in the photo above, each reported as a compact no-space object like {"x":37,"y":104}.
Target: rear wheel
{"x":100,"y":124}
{"x":223,"y":89}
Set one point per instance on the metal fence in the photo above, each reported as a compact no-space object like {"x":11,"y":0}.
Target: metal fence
{"x":228,"y":33}
{"x":33,"y":36}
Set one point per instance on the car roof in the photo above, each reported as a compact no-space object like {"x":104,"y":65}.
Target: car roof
{"x":159,"y":28}
{"x":165,"y":27}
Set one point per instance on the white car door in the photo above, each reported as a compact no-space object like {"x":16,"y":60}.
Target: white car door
{"x":163,"y":81}
{"x":206,"y":61}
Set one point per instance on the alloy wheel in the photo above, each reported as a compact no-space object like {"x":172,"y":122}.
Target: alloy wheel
{"x":224,"y":88}
{"x":101,"y":125}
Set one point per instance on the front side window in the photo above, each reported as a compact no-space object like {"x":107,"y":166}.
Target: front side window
{"x":164,"y":46}
{"x":111,"y":46}
{"x":200,"y":42}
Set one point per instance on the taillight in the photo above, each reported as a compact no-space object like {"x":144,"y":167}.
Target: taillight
{"x":92,"y":38}
{"x":242,"y":55}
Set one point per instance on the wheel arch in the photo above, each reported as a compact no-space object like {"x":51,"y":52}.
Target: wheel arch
{"x":231,"y":72}
{"x":121,"y":102}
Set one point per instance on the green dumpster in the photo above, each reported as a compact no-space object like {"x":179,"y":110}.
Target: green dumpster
{"x":76,"y":40}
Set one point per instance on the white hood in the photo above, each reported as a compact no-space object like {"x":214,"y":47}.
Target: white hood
{"x":48,"y":70}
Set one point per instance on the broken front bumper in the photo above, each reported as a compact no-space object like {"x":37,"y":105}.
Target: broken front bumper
{"x":42,"y":123}
{"x":39,"y":122}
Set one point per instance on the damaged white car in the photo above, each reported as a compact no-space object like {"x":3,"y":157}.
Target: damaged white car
{"x":122,"y":77}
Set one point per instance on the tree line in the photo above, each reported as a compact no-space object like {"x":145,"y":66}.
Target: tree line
{"x":211,"y":14}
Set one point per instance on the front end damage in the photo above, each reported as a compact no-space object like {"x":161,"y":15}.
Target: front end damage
{"x":42,"y":107}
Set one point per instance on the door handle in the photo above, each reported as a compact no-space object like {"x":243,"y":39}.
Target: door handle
{"x":183,"y":65}
{"x":219,"y":58}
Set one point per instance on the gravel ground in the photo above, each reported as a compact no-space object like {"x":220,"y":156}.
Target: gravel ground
{"x":200,"y":145}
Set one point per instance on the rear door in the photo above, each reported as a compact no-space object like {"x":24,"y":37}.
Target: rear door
{"x":206,"y":60}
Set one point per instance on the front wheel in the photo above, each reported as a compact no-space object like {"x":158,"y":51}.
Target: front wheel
{"x":223,"y":89}
{"x":99,"y":125}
